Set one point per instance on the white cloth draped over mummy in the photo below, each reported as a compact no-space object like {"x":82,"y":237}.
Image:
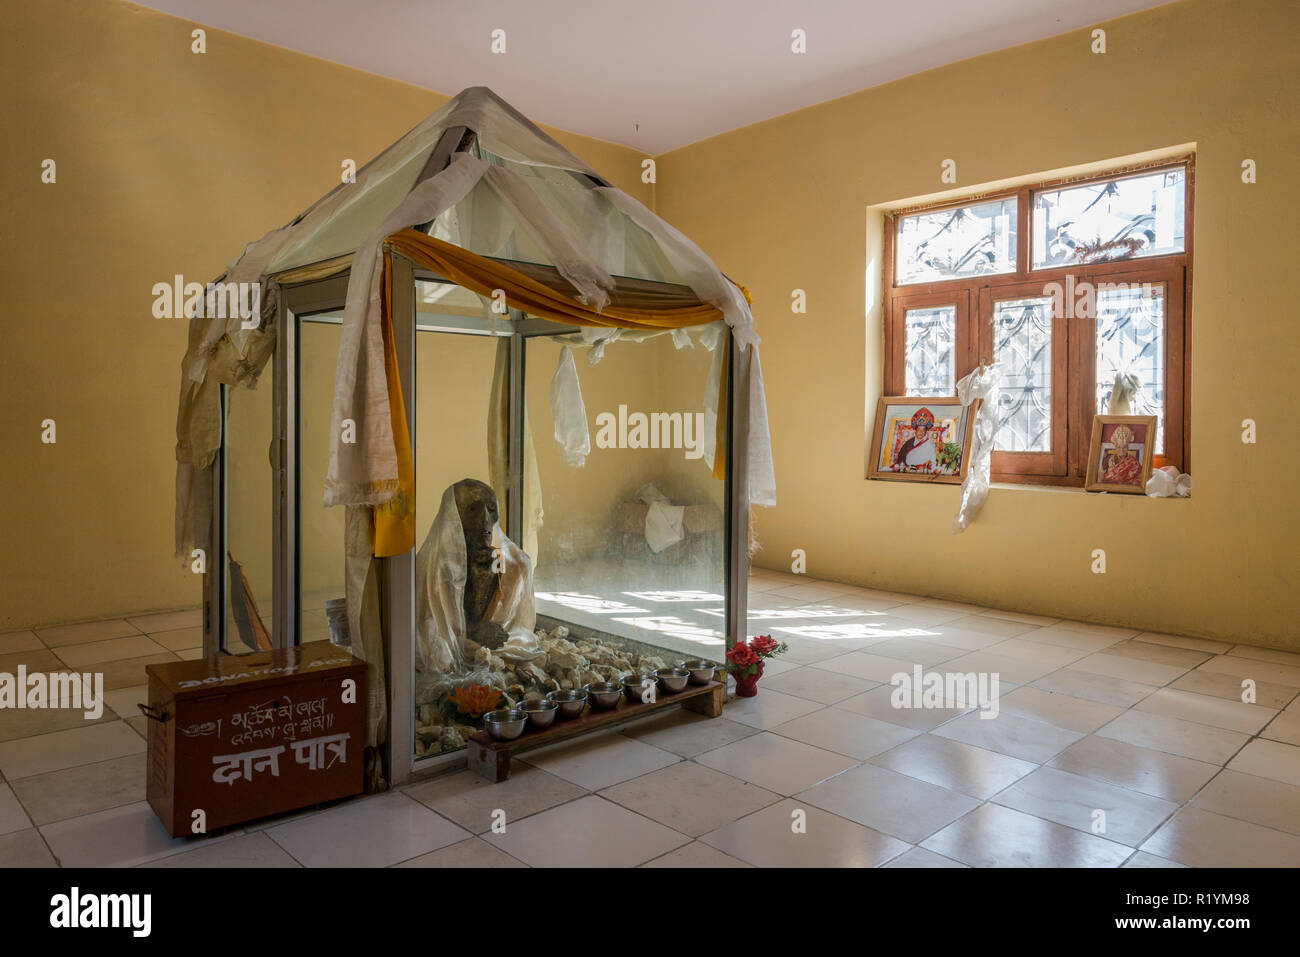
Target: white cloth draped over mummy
{"x":443,"y":644}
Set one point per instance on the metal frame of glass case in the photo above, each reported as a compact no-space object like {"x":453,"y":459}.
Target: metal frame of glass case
{"x":397,"y":574}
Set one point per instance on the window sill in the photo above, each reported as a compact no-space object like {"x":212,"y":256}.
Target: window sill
{"x":1070,"y":490}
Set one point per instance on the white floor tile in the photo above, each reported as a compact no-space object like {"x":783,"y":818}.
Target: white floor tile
{"x":696,"y":855}
{"x":892,"y":803}
{"x":119,"y":837}
{"x":1199,"y":838}
{"x":853,"y":735}
{"x":474,"y":803}
{"x":919,"y":857}
{"x":595,"y":762}
{"x":245,"y":850}
{"x":690,"y":797}
{"x":590,"y":832}
{"x":1087,"y":805}
{"x":1010,"y":734}
{"x":776,"y":763}
{"x":369,"y":832}
{"x":12,"y":816}
{"x":1175,"y":736}
{"x":769,"y":838}
{"x":1269,"y":759}
{"x":25,"y":849}
{"x":995,"y":836}
{"x":65,"y":749}
{"x":473,"y":852}
{"x":85,"y":656}
{"x":954,"y":765}
{"x":1207,"y":709}
{"x":1152,"y":772}
{"x":768,"y":708}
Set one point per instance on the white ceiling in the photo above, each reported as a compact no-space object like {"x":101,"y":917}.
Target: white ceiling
{"x":651,"y":74}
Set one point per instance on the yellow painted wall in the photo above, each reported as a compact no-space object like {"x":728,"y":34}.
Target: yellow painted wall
{"x":167,"y":162}
{"x":784,"y":204}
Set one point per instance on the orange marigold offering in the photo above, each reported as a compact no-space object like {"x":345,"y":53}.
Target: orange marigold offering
{"x":475,"y":700}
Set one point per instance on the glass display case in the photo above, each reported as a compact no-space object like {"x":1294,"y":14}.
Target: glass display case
{"x":541,"y":562}
{"x":535,"y":408}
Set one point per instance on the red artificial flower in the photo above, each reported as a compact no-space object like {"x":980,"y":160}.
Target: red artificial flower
{"x":742,"y":656}
{"x":763,"y":644}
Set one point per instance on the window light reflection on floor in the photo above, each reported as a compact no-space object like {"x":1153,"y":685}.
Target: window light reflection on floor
{"x":588,"y":603}
{"x":775,"y":614}
{"x":852,"y":630}
{"x":673,"y":595}
{"x":668,"y":625}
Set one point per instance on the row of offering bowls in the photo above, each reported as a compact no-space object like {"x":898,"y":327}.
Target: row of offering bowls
{"x":506,"y":724}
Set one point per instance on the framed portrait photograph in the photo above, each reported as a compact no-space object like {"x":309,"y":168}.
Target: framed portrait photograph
{"x":921,"y":439}
{"x":1120,"y":453}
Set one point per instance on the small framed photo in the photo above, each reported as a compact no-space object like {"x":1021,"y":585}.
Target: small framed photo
{"x":1120,"y":453}
{"x":921,"y":439}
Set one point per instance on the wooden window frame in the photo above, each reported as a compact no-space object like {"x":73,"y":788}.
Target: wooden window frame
{"x":1073,"y":339}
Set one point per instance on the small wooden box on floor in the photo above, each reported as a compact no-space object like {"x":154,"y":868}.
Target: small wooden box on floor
{"x":236,"y":738}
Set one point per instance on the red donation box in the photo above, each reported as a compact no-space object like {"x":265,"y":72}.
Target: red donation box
{"x":236,"y":738}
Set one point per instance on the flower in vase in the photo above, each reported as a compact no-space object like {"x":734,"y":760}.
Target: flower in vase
{"x":743,"y":659}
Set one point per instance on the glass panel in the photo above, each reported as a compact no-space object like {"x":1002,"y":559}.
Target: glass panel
{"x":433,"y":299}
{"x":591,"y":591}
{"x":460,"y":609}
{"x":1124,"y":218}
{"x":248,"y":565}
{"x":975,"y":240}
{"x":630,"y":554}
{"x":453,"y":386}
{"x":931,"y":340}
{"x":1022,"y":331}
{"x":322,"y":591}
{"x":1131,"y":338}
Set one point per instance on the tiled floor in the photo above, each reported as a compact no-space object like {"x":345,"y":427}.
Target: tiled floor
{"x":1111,"y":748}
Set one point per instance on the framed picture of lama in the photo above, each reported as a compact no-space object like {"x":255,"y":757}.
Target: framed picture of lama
{"x":1120,"y":453}
{"x":921,"y":439}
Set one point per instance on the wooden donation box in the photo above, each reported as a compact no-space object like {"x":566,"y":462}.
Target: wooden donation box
{"x":235,"y":738}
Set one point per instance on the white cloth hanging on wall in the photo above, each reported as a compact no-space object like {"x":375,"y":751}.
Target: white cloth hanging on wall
{"x":441,"y":571}
{"x":569,"y":412}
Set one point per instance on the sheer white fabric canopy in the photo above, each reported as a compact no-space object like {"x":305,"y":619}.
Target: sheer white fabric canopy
{"x":480,"y":175}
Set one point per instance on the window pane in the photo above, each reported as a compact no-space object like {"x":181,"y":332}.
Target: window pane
{"x":602,"y":569}
{"x":1131,"y":338}
{"x":249,"y":561}
{"x":322,"y":595}
{"x":1116,"y":219}
{"x":976,"y":240}
{"x":1023,"y":351}
{"x":931,"y":336}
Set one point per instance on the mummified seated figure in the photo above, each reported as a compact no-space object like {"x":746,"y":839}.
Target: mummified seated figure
{"x":474,"y":586}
